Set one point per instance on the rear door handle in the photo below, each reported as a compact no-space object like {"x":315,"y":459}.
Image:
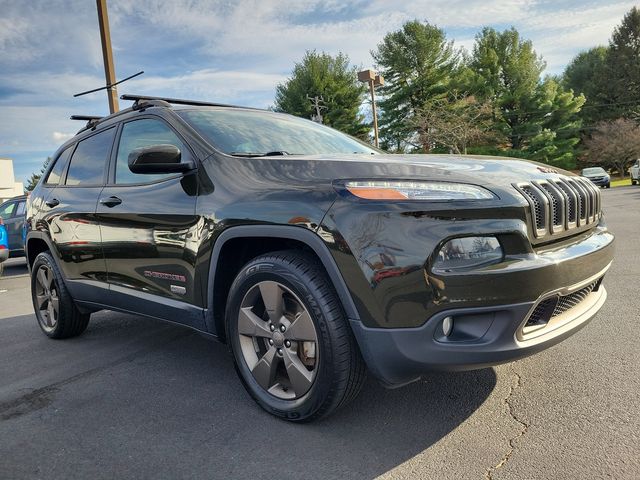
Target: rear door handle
{"x":54,"y":202}
{"x":110,"y":201}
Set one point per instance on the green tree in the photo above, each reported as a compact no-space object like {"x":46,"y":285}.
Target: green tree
{"x":539,"y":119}
{"x":417,"y":63}
{"x":623,"y":66}
{"x":586,"y":74}
{"x":507,"y":71}
{"x":559,"y":125}
{"x":35,"y":177}
{"x":586,"y":67}
{"x":333,"y":79}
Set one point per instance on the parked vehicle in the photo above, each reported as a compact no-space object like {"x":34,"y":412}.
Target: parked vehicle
{"x":4,"y":245}
{"x":13,"y":213}
{"x":635,"y":173}
{"x":598,"y":176}
{"x":312,"y":255}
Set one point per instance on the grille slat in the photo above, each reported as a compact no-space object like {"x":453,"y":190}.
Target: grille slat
{"x":561,"y":204}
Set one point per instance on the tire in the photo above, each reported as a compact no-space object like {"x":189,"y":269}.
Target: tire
{"x":331,"y":357}
{"x":67,"y":321}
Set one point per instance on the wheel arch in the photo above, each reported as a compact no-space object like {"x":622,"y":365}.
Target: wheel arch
{"x":258,"y":240}
{"x":35,"y":244}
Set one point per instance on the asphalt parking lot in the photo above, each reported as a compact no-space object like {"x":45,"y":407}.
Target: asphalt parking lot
{"x":136,"y":398}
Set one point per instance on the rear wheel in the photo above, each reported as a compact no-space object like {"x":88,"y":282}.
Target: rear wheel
{"x":57,"y":314}
{"x":292,"y":345}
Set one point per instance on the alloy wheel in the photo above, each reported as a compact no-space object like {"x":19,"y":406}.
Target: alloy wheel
{"x":278,"y":340}
{"x":46,"y":298}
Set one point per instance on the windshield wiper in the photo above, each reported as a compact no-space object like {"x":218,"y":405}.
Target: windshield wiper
{"x":274,"y":153}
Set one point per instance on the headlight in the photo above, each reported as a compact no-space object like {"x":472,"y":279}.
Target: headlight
{"x":401,"y":190}
{"x":468,"y":252}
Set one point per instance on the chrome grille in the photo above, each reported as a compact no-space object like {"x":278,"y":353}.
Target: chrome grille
{"x":560,"y":205}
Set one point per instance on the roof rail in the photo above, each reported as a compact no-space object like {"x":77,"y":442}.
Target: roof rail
{"x":91,"y":120}
{"x":175,"y":101}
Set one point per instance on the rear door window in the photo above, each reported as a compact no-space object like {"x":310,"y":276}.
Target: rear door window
{"x":53,"y":178}
{"x":89,"y":159}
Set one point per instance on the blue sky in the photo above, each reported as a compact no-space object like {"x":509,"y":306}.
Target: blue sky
{"x":230,"y":51}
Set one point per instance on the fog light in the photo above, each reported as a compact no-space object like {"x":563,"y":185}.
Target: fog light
{"x":468,"y":252}
{"x":447,"y":326}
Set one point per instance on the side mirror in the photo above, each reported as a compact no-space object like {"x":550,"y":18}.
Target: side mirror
{"x":158,"y":159}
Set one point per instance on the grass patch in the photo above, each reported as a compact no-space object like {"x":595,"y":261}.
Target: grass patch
{"x":623,"y":182}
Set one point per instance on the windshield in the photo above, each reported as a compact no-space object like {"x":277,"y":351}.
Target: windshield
{"x":593,"y":171}
{"x":257,"y":133}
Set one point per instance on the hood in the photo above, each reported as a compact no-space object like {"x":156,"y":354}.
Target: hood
{"x":477,"y":169}
{"x":251,"y":176}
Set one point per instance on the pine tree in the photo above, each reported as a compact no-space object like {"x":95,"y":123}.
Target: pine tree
{"x":417,"y":63}
{"x":333,"y":79}
{"x":35,"y":177}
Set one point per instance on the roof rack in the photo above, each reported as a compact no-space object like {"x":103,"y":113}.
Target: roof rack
{"x":91,"y":120}
{"x":139,"y":99}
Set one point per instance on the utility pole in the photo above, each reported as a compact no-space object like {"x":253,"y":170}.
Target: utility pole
{"x":374,"y":80}
{"x":107,"y":56}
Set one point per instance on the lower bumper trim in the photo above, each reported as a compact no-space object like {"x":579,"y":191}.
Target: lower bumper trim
{"x":402,"y":355}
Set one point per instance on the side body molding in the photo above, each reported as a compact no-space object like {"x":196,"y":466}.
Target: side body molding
{"x":300,"y":234}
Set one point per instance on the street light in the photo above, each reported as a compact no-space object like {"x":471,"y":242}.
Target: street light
{"x":374,"y":80}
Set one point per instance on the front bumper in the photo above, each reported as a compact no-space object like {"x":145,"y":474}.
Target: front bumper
{"x":489,"y":335}
{"x":601,"y":182}
{"x":4,"y":254}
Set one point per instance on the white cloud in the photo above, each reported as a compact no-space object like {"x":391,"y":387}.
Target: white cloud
{"x":60,"y":137}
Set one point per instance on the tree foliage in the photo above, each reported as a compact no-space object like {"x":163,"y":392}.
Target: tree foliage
{"x":417,"y":63}
{"x":623,"y":66}
{"x":507,"y":71}
{"x":614,"y":144}
{"x":333,"y":79}
{"x":586,"y":75}
{"x":538,"y":118}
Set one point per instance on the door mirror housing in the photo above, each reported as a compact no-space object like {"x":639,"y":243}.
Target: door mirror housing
{"x":156,"y":159}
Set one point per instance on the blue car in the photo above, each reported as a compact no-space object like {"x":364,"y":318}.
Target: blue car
{"x":13,"y":214}
{"x":4,"y":245}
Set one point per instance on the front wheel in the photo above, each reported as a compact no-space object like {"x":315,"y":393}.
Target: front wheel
{"x":57,"y":314}
{"x":292,"y":345}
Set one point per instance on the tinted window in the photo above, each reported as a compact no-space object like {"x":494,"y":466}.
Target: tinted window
{"x":21,"y":208}
{"x":58,"y":167}
{"x":244,"y":132}
{"x":6,"y":210}
{"x":89,"y":159}
{"x":143,"y":133}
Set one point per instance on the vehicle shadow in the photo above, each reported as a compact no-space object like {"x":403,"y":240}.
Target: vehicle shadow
{"x":152,"y":399}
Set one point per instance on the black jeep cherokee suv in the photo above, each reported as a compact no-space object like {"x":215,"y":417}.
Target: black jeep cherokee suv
{"x":312,"y":255}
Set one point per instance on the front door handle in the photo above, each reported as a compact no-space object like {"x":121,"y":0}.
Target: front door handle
{"x":110,"y":201}
{"x":54,"y":202}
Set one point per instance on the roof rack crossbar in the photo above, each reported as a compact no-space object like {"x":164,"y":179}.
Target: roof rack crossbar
{"x":176,"y":101}
{"x":91,"y":120}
